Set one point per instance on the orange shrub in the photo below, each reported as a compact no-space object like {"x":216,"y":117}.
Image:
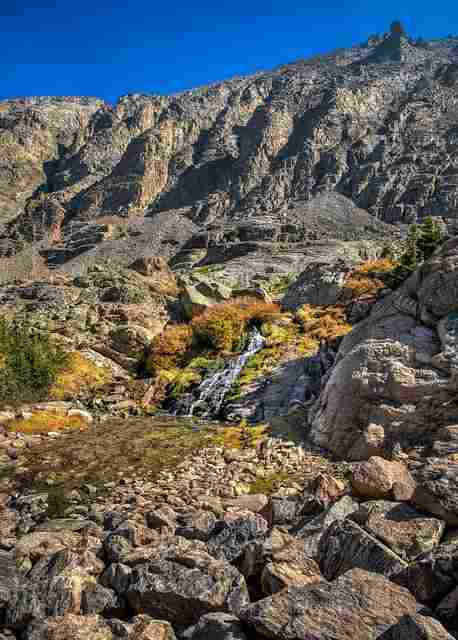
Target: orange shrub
{"x":169,"y":348}
{"x":377,"y":266}
{"x":323,"y":323}
{"x":223,"y":327}
{"x":361,"y":286}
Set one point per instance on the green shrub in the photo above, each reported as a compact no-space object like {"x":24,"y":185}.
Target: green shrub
{"x":423,"y":239}
{"x":29,"y":360}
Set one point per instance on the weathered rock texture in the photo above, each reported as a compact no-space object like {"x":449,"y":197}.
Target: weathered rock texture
{"x":397,"y":370}
{"x":375,"y":123}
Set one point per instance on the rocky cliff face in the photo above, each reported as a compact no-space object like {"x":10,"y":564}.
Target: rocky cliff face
{"x":376,"y":123}
{"x":395,"y":379}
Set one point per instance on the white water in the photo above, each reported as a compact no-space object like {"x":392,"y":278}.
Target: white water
{"x":212,"y":391}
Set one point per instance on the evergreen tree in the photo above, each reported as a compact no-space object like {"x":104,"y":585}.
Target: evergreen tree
{"x":422,"y":240}
{"x":430,"y":237}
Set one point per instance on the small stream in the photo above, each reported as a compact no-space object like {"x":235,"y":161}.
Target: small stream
{"x":209,"y":396}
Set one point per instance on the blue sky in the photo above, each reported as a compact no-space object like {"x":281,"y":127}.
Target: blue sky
{"x":108,"y":48}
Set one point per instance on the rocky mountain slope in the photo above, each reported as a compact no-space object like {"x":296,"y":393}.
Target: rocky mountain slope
{"x":149,"y":241}
{"x":375,"y":123}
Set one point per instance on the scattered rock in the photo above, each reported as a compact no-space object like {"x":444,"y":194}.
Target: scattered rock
{"x":378,"y":478}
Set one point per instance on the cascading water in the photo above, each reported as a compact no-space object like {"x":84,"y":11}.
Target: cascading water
{"x":212,"y":391}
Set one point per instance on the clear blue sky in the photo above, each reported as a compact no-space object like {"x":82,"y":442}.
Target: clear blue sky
{"x":108,"y":48}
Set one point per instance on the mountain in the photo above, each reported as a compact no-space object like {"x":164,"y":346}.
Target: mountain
{"x":376,"y":123}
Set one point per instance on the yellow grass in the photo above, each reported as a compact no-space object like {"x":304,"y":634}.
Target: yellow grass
{"x":80,"y":375}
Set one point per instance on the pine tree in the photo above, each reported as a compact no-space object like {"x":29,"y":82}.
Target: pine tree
{"x":430,"y":237}
{"x":422,"y":240}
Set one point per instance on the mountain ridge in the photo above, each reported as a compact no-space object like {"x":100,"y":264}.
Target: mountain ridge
{"x":375,"y":123}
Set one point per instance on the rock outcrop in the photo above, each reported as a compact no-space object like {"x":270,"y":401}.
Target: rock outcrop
{"x":397,"y":370}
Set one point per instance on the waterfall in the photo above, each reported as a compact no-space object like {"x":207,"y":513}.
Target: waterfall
{"x":212,"y":391}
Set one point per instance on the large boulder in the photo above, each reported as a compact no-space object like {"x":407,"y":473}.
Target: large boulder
{"x":318,"y":284}
{"x":417,"y":627}
{"x":182,"y":588}
{"x":216,"y":626}
{"x":311,"y":531}
{"x":289,"y":566}
{"x":437,"y":489}
{"x":357,"y":606}
{"x":406,"y":531}
{"x":379,"y":478}
{"x":432,"y":575}
{"x":396,"y":369}
{"x":344,"y":545}
{"x":71,"y":626}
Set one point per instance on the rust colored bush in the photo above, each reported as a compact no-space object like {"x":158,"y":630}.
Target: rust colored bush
{"x":170,"y":347}
{"x":223,"y":327}
{"x":323,"y":323}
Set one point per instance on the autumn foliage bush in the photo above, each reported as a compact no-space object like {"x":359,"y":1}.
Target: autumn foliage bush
{"x":220,"y":328}
{"x":323,"y":322}
{"x":368,"y":279}
{"x":169,"y":349}
{"x":224,"y":326}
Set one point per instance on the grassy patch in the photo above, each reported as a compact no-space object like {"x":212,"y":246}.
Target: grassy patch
{"x":46,"y":421}
{"x":80,"y":374}
{"x":241,"y":436}
{"x":270,"y":484}
{"x":211,"y":268}
{"x":281,"y":284}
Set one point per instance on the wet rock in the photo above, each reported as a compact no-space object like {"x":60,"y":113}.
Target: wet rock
{"x":358,"y":605}
{"x":345,"y":545}
{"x":406,"y":531}
{"x":216,"y":626}
{"x":437,"y":489}
{"x":379,"y":478}
{"x":181,"y":589}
